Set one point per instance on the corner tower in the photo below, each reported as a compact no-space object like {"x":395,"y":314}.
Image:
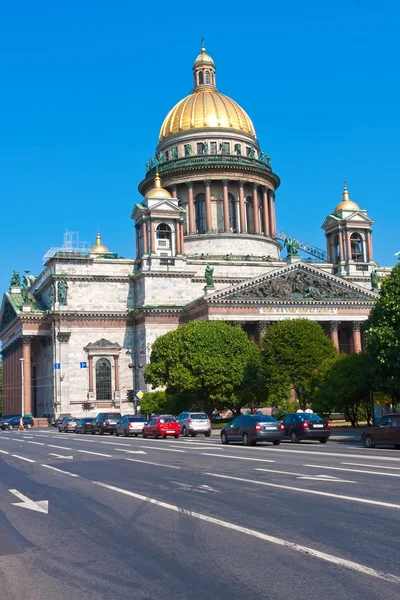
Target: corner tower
{"x":210,"y":160}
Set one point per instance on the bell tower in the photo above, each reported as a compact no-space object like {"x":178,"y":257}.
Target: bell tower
{"x":348,"y":232}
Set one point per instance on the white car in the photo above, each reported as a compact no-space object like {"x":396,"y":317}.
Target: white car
{"x":193,"y":423}
{"x":130,"y":425}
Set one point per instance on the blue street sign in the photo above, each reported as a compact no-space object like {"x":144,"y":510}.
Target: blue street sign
{"x":57,"y":366}
{"x":83,"y":365}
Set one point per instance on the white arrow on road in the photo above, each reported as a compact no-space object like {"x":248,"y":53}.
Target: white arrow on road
{"x":40,"y":505}
{"x":325,"y":478}
{"x":130,"y":451}
{"x":60,"y":455}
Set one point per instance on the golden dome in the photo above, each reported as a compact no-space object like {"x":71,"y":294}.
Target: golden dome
{"x":98,"y":248}
{"x":206,"y":108}
{"x":157,"y":191}
{"x":346,"y":203}
{"x":203,"y":58}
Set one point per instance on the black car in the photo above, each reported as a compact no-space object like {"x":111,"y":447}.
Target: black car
{"x":306,"y":426}
{"x":57,"y":422}
{"x":84,"y":425}
{"x":251,"y":429}
{"x":13,"y":423}
{"x":105,"y":423}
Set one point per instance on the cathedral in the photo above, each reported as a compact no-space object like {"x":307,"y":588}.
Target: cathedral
{"x":77,"y":338}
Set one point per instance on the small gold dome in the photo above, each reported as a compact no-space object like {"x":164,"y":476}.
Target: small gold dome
{"x":203,"y":58}
{"x":157,"y":191}
{"x":206,"y":108}
{"x":98,"y":248}
{"x":346,"y":203}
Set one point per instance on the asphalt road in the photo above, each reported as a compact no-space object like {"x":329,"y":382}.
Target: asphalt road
{"x":192,"y":519}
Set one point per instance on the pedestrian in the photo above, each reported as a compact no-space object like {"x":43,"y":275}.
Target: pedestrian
{"x":21,"y":424}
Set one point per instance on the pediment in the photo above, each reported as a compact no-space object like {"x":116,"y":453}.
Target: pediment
{"x":103,"y":343}
{"x":7,"y":313}
{"x":299,"y":284}
{"x":350,"y":217}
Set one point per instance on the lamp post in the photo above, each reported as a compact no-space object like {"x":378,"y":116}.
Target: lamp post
{"x":22,"y":360}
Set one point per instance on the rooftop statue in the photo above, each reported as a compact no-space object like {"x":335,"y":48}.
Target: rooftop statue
{"x":291,"y":246}
{"x":62,"y":292}
{"x":209,"y":276}
{"x":375,"y":280}
{"x":15,"y":279}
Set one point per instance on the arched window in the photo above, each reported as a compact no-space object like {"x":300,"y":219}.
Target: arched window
{"x":140,"y":241}
{"x":103,"y":379}
{"x":163,"y":234}
{"x":200,"y":209}
{"x":232,"y":213}
{"x":249,"y":214}
{"x":201,"y":78}
{"x":208,"y":80}
{"x":336,"y":249}
{"x":356,"y":243}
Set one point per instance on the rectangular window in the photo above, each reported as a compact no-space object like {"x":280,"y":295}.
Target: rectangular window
{"x":213,"y":147}
{"x":200,"y":148}
{"x":167,"y":155}
{"x":248,"y":150}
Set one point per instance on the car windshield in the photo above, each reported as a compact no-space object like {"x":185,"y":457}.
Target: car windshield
{"x":199,"y":416}
{"x":137,"y":420}
{"x":309,"y":417}
{"x":167,"y":420}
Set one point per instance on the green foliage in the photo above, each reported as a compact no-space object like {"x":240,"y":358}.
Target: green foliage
{"x":285,"y":407}
{"x":383,"y":337}
{"x":292,"y":353}
{"x":345,"y":387}
{"x":153,"y":402}
{"x":208,"y":360}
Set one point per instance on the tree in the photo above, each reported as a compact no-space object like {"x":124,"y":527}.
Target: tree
{"x":346,"y":388}
{"x":208,"y":360}
{"x":383,"y":337}
{"x":292,"y":353}
{"x":153,"y":402}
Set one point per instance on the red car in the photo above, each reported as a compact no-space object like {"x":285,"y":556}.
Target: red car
{"x":162,"y":427}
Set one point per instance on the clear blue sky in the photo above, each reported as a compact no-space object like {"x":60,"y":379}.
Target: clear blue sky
{"x":84,"y":88}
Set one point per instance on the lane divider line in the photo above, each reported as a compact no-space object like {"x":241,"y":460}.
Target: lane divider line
{"x":4,"y":452}
{"x":23,"y":458}
{"x":96,"y":453}
{"x":307,"y":491}
{"x":353,"y":470}
{"x":59,"y":447}
{"x":163,"y":449}
{"x":330,"y":558}
{"x":37,"y":443}
{"x":60,"y":471}
{"x":238,"y":457}
{"x":146,"y":462}
{"x":369,"y":466}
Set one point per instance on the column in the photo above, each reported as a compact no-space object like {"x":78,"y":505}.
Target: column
{"x":272,"y":221}
{"x":207,"y":184}
{"x":341,"y":245}
{"x":152,"y":238}
{"x":26,"y":355}
{"x":144,"y":236}
{"x":356,"y":337}
{"x":174,"y":192}
{"x":369,"y":246}
{"x":348,"y":245}
{"x":191,"y":215}
{"x":91,"y":374}
{"x":116,"y":372}
{"x":178,"y":238}
{"x":266,"y":212}
{"x":137,"y":242}
{"x":242,"y":210}
{"x":262,"y":327}
{"x":182,"y":239}
{"x":334,"y":333}
{"x":255,"y":209}
{"x":225,"y":205}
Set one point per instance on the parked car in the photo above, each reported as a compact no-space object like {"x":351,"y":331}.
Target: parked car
{"x":193,"y":423}
{"x":305,"y":426}
{"x":162,"y":427}
{"x":57,"y":422}
{"x":130,"y":425}
{"x":84,"y":425}
{"x":105,"y":423}
{"x":251,"y":429}
{"x":13,"y":423}
{"x":386,"y":432}
{"x":67,"y":424}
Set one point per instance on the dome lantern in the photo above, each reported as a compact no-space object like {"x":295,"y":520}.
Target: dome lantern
{"x":204,"y":70}
{"x":98,"y":249}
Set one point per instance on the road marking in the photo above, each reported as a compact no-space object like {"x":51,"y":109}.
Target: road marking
{"x":368,"y":466}
{"x":60,"y":455}
{"x":4,"y":452}
{"x":23,"y":458}
{"x":238,"y":457}
{"x":353,"y":470}
{"x":59,"y":447}
{"x":17,"y":439}
{"x":304,"y":476}
{"x":306,"y":491}
{"x":83,"y":439}
{"x":37,"y":505}
{"x":60,"y":470}
{"x":96,"y":453}
{"x":146,"y":462}
{"x":163,"y":449}
{"x":41,"y":435}
{"x":342,"y":455}
{"x":336,"y":560}
{"x":37,"y":443}
{"x":130,"y":451}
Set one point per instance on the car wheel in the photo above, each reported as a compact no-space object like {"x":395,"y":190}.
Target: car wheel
{"x":323,"y":440}
{"x":101,"y":431}
{"x":193,"y":434}
{"x":176,"y":436}
{"x":92,"y":431}
{"x":164,"y":437}
{"x":126,"y":434}
{"x":397,"y":446}
{"x":155,"y":435}
{"x":224,"y":438}
{"x":185,"y":432}
{"x":369,"y":442}
{"x":144,"y":436}
{"x":276,"y":442}
{"x":207,"y":434}
{"x":117,"y":433}
{"x":294,"y":438}
{"x":136,"y":434}
{"x":246,"y":440}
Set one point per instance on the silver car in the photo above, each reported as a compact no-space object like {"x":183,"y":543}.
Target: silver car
{"x":193,"y":423}
{"x":130,"y":425}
